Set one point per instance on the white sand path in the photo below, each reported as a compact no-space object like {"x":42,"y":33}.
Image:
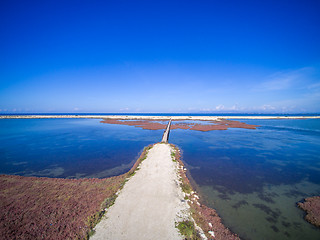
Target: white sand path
{"x":148,"y":205}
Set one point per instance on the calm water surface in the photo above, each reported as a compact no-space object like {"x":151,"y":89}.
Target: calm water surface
{"x":252,"y":177}
{"x":255,"y":177}
{"x":70,"y":148}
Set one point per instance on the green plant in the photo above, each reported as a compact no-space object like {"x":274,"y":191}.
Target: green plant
{"x":143,"y":158}
{"x":110,"y":201}
{"x":173,"y":156}
{"x":185,"y":187}
{"x":90,"y":233}
{"x":187,"y":229}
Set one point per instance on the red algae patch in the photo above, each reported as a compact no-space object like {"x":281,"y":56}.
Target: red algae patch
{"x":236,"y":124}
{"x":144,"y":124}
{"x":207,"y":126}
{"x":51,"y":208}
{"x":221,"y":125}
{"x":312,"y":207}
{"x":179,"y":126}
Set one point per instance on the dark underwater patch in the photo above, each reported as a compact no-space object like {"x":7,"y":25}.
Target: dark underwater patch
{"x":274,"y":228}
{"x":267,"y":210}
{"x":239,"y":204}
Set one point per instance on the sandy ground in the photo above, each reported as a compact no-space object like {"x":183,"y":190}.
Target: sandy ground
{"x":149,"y":204}
{"x":132,"y":117}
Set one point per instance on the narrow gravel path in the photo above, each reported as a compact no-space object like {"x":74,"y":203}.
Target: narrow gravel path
{"x":148,"y":205}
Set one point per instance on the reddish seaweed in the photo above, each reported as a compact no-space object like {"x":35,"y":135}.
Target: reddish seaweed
{"x":213,"y":125}
{"x":144,"y":124}
{"x":312,"y":207}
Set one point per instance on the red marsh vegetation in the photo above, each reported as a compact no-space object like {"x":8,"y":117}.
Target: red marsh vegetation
{"x":312,"y":207}
{"x":144,"y":124}
{"x":206,"y":126}
{"x":51,"y":208}
{"x":55,"y":208}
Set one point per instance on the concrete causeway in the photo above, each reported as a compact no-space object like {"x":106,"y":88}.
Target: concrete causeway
{"x":165,"y":136}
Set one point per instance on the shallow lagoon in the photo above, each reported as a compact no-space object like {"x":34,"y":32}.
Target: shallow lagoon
{"x":255,"y":177}
{"x":70,"y":148}
{"x":252,"y":177}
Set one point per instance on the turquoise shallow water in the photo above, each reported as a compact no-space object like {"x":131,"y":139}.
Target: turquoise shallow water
{"x":70,"y":148}
{"x":255,"y":177}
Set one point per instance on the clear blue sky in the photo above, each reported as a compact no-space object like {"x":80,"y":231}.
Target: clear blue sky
{"x":160,"y":56}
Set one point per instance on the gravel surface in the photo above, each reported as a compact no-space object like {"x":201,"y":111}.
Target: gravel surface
{"x":149,"y":204}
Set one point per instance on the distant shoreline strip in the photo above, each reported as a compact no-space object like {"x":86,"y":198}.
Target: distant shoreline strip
{"x":146,"y":117}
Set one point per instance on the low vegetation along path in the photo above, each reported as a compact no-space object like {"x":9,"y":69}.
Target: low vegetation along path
{"x":150,"y":203}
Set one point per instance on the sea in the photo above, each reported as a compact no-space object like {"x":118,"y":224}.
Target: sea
{"x":252,"y":177}
{"x":70,"y":148}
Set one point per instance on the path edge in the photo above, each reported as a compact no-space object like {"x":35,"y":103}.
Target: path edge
{"x":206,"y":219}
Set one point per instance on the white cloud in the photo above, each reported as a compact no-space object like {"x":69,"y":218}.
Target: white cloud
{"x":314,"y":86}
{"x":235,"y":107}
{"x":285,"y":80}
{"x":206,"y":110}
{"x":268,"y":107}
{"x":280,"y":83}
{"x":220,"y":107}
